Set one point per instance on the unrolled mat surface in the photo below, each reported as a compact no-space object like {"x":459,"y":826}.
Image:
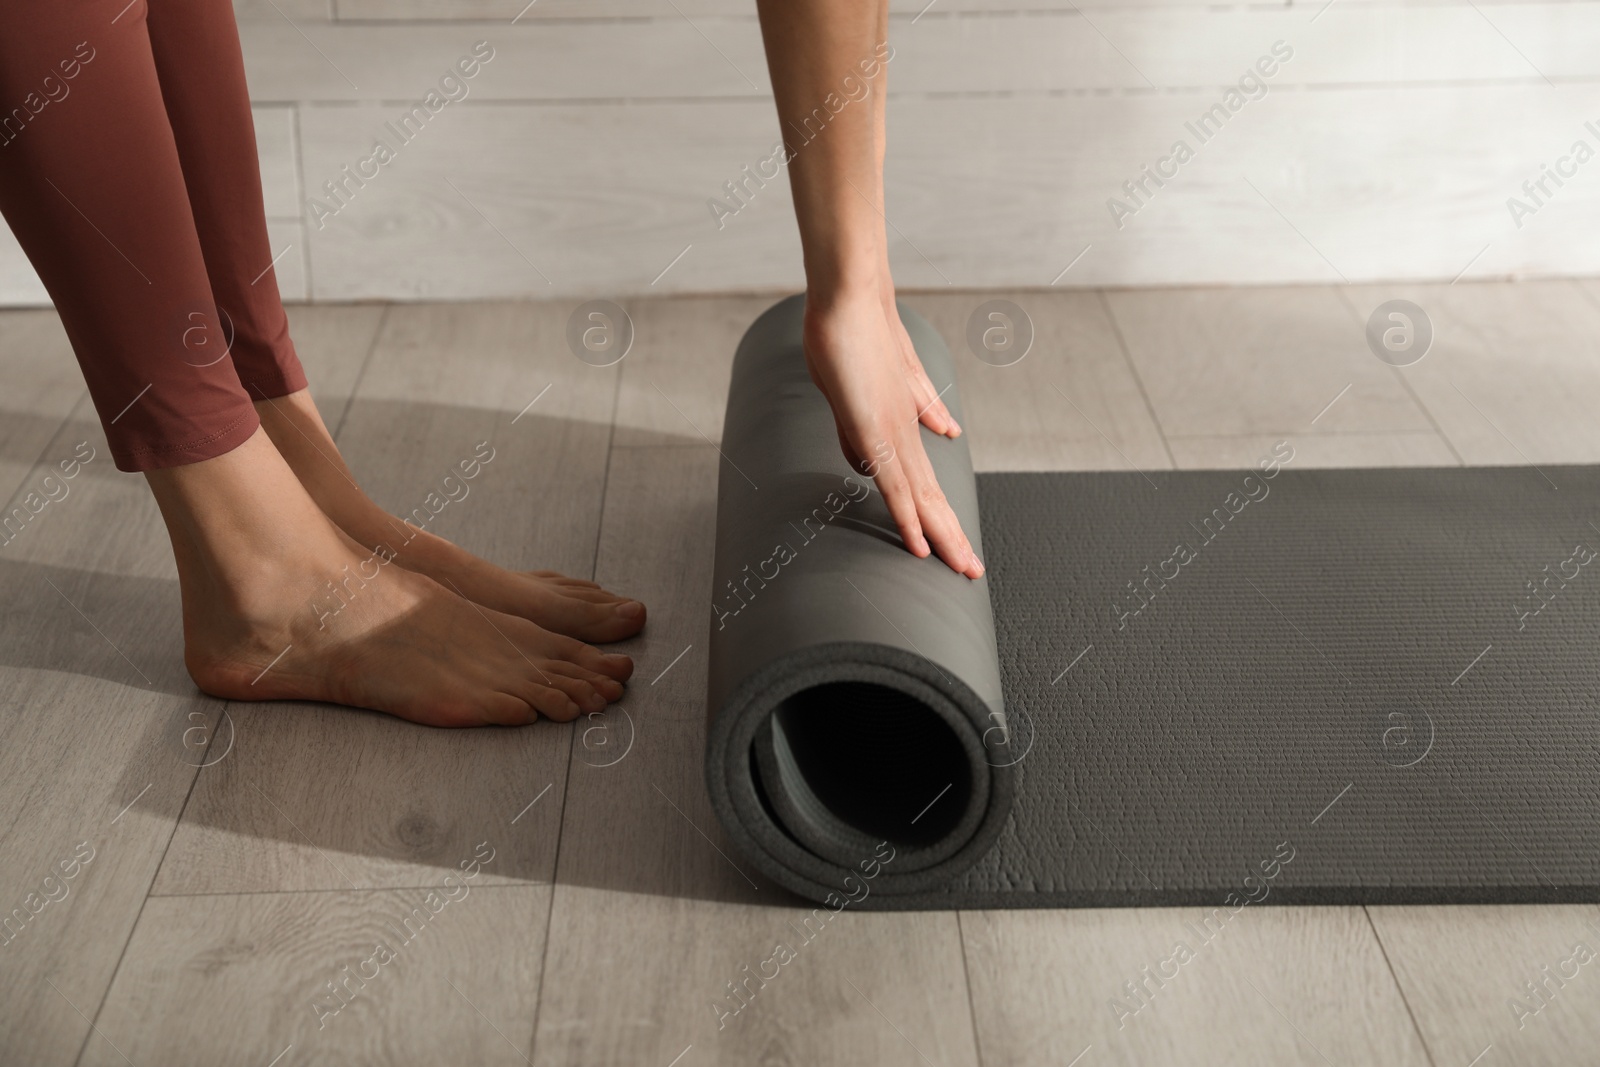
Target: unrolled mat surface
{"x":1217,"y":687}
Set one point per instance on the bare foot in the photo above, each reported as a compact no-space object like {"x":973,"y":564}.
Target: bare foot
{"x":279,"y":604}
{"x":570,"y":606}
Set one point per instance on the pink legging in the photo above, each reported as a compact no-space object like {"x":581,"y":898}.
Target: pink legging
{"x":128,"y":173}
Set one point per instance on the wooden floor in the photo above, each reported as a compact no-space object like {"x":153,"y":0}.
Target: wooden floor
{"x":233,"y":865}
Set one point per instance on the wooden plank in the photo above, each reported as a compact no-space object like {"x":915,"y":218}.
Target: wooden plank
{"x":1300,"y":222}
{"x":1514,"y":373}
{"x":99,"y":735}
{"x":549,"y":60}
{"x":1268,"y":985}
{"x":300,"y":11}
{"x":1421,"y":449}
{"x":1070,"y":403}
{"x":675,"y":381}
{"x":19,"y":285}
{"x":277,"y":814}
{"x":881,"y":989}
{"x":656,"y":51}
{"x":552,"y":190}
{"x":1466,"y":971}
{"x":448,"y":376}
{"x":675,"y":384}
{"x":280,"y":179}
{"x":461,"y":989}
{"x":334,"y":343}
{"x":512,"y":225}
{"x":1384,"y":95}
{"x":902,"y":12}
{"x":288,"y":238}
{"x":1260,"y":362}
{"x":491,"y":11}
{"x":667,"y":868}
{"x":43,"y":387}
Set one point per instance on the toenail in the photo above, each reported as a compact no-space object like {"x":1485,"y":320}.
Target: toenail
{"x":630,"y":609}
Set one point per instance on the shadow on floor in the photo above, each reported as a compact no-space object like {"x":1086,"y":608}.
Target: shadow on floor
{"x":313,"y":796}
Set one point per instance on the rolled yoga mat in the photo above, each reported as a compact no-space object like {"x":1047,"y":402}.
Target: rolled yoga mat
{"x":1212,"y":687}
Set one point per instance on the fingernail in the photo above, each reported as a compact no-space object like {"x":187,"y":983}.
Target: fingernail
{"x":630,"y":609}
{"x":977,"y":563}
{"x":572,"y":708}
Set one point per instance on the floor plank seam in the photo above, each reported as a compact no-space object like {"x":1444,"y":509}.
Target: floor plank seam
{"x":566,"y":782}
{"x":44,"y":451}
{"x":605,"y":478}
{"x":1138,"y":379}
{"x":1415,"y":1026}
{"x":133,"y":927}
{"x":1583,"y":291}
{"x":1317,"y":435}
{"x":530,"y":884}
{"x":966,"y":978}
{"x":550,"y":910}
{"x":361,"y":373}
{"x":1416,"y":398}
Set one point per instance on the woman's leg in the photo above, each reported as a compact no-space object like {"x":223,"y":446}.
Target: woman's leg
{"x":91,"y":186}
{"x":278,"y":603}
{"x":196,"y":47}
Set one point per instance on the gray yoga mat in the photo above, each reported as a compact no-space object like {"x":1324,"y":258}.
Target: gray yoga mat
{"x":1214,"y":687}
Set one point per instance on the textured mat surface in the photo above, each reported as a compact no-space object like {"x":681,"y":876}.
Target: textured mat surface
{"x":1208,"y":687}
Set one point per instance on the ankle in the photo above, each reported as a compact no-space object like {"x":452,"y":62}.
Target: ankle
{"x":240,"y":524}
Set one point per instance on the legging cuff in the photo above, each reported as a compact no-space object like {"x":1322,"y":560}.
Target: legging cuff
{"x":217,"y":443}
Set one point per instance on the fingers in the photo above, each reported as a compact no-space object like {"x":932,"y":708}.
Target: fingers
{"x":850,"y":454}
{"x":937,"y":418}
{"x":897,"y":494}
{"x":939,"y":523}
{"x":931,"y":410}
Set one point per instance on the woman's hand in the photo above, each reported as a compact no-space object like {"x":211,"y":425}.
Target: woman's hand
{"x":935,"y":416}
{"x":861,"y":358}
{"x":829,"y":61}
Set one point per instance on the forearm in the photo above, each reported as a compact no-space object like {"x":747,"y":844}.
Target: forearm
{"x":828,"y":60}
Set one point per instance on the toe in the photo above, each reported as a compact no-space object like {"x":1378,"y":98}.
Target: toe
{"x":581,"y":692}
{"x":602,"y":621}
{"x":609,"y":688}
{"x":610,"y":664}
{"x":558,"y":578}
{"x":506,"y":709}
{"x":552,"y":702}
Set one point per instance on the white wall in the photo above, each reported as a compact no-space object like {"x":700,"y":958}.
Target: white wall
{"x":581,"y":163}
